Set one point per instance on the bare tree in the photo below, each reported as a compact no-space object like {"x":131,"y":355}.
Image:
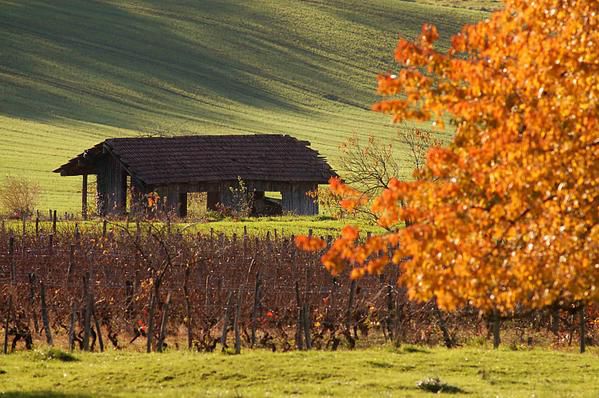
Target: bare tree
{"x":370,"y":166}
{"x":19,"y":196}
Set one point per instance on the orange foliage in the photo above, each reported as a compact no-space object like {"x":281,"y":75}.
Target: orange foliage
{"x":508,"y":214}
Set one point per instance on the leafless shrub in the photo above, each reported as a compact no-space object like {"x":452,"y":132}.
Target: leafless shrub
{"x":19,"y":196}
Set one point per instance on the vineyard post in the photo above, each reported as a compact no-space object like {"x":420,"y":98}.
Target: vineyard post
{"x":397,"y":321}
{"x":96,"y":321}
{"x":45,"y":318}
{"x":223,"y":338}
{"x":245,"y":242}
{"x":129,"y":290}
{"x":104,"y":227}
{"x":50,"y":243}
{"x":390,"y":312}
{"x":6,"y":325}
{"x":163,"y":323}
{"x":255,"y":308}
{"x":188,"y":308}
{"x":350,"y":304}
{"x":299,"y":343}
{"x":236,"y":322}
{"x":150,"y":331}
{"x":86,"y":311}
{"x":71,"y":263}
{"x":31,"y":277}
{"x":54,"y":222}
{"x":137,"y":231}
{"x":582,"y":329}
{"x":37,"y":225}
{"x":306,"y":318}
{"x":307,"y":323}
{"x":77,"y":235}
{"x":72,"y":326}
{"x":11,"y":259}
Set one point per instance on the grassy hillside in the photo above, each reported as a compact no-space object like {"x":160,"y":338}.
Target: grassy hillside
{"x":73,"y":72}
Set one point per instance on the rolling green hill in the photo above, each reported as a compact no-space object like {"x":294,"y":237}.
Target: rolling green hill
{"x":73,"y":72}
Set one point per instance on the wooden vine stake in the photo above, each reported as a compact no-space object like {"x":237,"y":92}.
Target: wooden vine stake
{"x":54,"y":222}
{"x":11,"y":259}
{"x":225,"y":331}
{"x":150,"y":332}
{"x":96,"y":322}
{"x":188,"y":309}
{"x":72,"y":326}
{"x":257,"y":299}
{"x":31,"y":277}
{"x":299,"y":340}
{"x":236,"y":323}
{"x":6,"y":325}
{"x":45,"y":317}
{"x":163,"y":323}
{"x":87,"y":311}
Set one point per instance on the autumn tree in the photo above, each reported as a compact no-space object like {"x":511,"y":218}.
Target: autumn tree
{"x":507,"y":216}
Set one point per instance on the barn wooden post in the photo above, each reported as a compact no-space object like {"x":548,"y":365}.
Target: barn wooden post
{"x":84,"y":197}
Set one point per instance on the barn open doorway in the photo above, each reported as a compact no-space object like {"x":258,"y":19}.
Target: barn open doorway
{"x":197,"y":204}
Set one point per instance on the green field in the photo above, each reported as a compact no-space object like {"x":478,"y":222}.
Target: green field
{"x":284,"y":226}
{"x":74,"y":72}
{"x":383,"y":372}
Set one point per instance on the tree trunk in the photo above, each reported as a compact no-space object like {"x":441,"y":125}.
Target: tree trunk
{"x":449,"y":343}
{"x":496,"y":329}
{"x":582,"y":329}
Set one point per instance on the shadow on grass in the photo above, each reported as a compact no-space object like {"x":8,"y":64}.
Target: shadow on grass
{"x":42,"y":394}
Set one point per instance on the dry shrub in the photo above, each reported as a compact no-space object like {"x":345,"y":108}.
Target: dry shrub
{"x":19,"y":196}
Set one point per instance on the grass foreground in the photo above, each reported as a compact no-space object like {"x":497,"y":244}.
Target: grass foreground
{"x":382,"y":372}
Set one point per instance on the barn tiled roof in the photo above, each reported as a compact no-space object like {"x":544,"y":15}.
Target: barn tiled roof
{"x":190,"y":159}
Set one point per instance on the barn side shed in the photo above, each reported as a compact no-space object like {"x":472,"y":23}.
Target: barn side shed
{"x":129,"y":170}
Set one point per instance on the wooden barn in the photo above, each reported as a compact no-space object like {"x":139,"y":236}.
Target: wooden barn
{"x":132,"y":169}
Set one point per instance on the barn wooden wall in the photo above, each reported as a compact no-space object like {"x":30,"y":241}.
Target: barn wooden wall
{"x":111,"y":187}
{"x":112,"y":193}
